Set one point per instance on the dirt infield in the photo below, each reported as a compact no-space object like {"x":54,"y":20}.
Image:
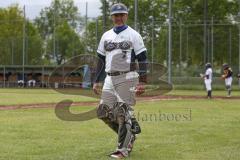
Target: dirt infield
{"x":94,"y":103}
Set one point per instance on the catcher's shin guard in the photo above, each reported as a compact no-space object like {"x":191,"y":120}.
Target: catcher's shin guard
{"x":123,"y":118}
{"x":105,"y":113}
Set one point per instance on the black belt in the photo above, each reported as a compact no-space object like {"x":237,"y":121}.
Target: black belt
{"x":117,"y":73}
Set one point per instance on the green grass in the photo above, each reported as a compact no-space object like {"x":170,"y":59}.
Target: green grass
{"x":32,"y":96}
{"x":202,"y":93}
{"x":215,"y":87}
{"x":212,"y":133}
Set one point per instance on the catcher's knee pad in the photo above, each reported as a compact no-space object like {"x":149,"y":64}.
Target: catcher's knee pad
{"x":122,"y":115}
{"x":105,"y":113}
{"x":121,"y":112}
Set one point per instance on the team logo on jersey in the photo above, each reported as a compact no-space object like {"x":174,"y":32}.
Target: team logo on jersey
{"x":124,"y":45}
{"x":110,"y":46}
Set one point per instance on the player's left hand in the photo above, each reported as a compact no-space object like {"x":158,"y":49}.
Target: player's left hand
{"x":140,"y":89}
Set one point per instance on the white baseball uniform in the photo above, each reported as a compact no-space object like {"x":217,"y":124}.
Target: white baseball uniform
{"x":228,"y":81}
{"x":119,"y":51}
{"x":208,"y":79}
{"x":118,"y":48}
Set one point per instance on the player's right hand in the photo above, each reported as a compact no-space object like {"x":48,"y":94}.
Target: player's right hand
{"x":96,"y":88}
{"x":140,"y":89}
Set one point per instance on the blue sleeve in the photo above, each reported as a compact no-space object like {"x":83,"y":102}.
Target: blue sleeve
{"x":142,"y":62}
{"x":100,"y":68}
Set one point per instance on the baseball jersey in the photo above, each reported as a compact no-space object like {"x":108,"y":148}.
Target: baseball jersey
{"x":208,"y":74}
{"x":228,"y":73}
{"x":120,"y":49}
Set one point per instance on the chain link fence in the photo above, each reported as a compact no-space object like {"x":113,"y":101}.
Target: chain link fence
{"x":24,"y":50}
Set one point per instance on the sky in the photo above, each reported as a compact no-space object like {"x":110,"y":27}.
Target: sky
{"x":33,"y":7}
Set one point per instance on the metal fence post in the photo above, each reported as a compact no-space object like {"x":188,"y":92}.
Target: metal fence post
{"x":42,"y":82}
{"x":23,"y":56}
{"x":212,"y":46}
{"x":230,"y":46}
{"x":152,"y":39}
{"x":180,"y":48}
{"x":4,"y":77}
{"x":135,"y":14}
{"x":187,"y":47}
{"x":170,"y":43}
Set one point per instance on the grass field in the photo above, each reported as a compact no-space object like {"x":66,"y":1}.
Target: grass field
{"x":31,"y":96}
{"x":171,"y":129}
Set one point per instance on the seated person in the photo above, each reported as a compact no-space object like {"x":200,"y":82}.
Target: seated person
{"x":20,"y":81}
{"x":32,"y":83}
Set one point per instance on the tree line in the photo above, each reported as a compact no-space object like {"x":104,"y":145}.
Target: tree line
{"x":59,"y":32}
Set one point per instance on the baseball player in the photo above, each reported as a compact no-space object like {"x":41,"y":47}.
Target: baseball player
{"x":118,"y":51}
{"x":208,"y":79}
{"x":227,"y":76}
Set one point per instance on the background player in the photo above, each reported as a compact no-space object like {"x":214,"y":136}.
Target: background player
{"x":208,"y":79}
{"x":118,"y":50}
{"x":227,"y":76}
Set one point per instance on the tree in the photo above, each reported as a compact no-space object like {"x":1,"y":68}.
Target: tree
{"x":11,"y":38}
{"x":67,"y":43}
{"x":191,"y":13}
{"x":58,"y":25}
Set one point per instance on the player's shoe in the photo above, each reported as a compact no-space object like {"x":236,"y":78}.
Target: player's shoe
{"x":118,"y":155}
{"x":209,"y":97}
